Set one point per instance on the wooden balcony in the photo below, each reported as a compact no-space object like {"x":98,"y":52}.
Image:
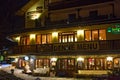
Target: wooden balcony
{"x":74,"y":3}
{"x":69,"y":48}
{"x":102,"y":19}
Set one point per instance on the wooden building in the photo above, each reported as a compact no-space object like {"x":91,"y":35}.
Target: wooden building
{"x":69,"y":36}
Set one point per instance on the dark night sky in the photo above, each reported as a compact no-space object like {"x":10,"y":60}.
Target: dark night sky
{"x":8,"y":19}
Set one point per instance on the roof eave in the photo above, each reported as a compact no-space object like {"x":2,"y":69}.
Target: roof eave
{"x":22,"y":11}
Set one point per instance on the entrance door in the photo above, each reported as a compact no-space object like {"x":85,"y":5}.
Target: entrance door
{"x":96,"y":63}
{"x":65,"y":66}
{"x":117,"y":63}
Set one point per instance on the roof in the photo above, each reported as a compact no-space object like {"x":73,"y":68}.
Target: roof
{"x":26,"y":7}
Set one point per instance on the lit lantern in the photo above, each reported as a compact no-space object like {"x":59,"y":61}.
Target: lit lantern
{"x":26,"y":58}
{"x":109,"y":58}
{"x":80,"y":59}
{"x":53,"y":59}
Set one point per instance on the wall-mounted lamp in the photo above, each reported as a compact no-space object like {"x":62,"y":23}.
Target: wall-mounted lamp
{"x":53,"y":59}
{"x":80,"y":59}
{"x":80,"y":32}
{"x":109,"y":58}
{"x":32,"y":36}
{"x":54,"y":34}
{"x":17,"y":39}
{"x":26,"y":58}
{"x":34,"y":14}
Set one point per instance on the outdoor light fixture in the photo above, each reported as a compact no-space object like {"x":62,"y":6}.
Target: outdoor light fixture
{"x":53,"y":59}
{"x":109,"y":58}
{"x":31,"y":59}
{"x":32,"y":36}
{"x":80,"y":32}
{"x":55,"y":34}
{"x":17,"y":38}
{"x":35,"y":15}
{"x":26,"y":58}
{"x":80,"y":59}
{"x":16,"y":60}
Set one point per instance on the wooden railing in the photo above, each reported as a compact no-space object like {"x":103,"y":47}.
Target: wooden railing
{"x":112,"y":45}
{"x":73,"y":3}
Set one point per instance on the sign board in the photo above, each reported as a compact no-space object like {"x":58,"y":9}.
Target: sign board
{"x":114,"y":28}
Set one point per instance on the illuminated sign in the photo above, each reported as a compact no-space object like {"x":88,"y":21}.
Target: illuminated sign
{"x":114,"y":29}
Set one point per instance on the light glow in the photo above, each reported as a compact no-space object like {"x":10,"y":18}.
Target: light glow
{"x":16,"y":59}
{"x":35,"y":16}
{"x":26,"y":58}
{"x":80,"y":32}
{"x":55,"y":34}
{"x":32,"y":36}
{"x":109,"y":58}
{"x":80,"y":59}
{"x":31,"y":59}
{"x":53,"y":59}
{"x":17,"y":38}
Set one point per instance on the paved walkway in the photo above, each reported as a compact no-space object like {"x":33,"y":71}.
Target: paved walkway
{"x":18,"y":73}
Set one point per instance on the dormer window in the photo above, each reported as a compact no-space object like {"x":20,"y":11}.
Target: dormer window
{"x":33,"y":15}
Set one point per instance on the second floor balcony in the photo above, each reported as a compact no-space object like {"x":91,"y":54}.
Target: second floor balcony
{"x":75,"y":48}
{"x":73,"y":3}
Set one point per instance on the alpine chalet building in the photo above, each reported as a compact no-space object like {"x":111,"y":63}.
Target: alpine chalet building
{"x":68,"y":37}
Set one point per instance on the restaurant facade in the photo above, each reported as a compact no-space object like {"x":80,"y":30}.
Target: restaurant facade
{"x":67,"y":39}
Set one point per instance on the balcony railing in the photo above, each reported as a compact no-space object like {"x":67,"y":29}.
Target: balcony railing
{"x":85,"y":46}
{"x":73,"y":3}
{"x":102,"y":19}
{"x":82,"y":20}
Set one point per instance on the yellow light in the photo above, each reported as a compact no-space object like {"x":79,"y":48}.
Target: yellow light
{"x":32,"y":36}
{"x":80,"y":32}
{"x":109,"y":58}
{"x":16,"y":59}
{"x":17,"y":38}
{"x":80,"y":59}
{"x":55,"y":34}
{"x":53,"y":59}
{"x":35,"y":16}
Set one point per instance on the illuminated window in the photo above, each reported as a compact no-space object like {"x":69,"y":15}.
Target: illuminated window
{"x":68,"y":37}
{"x":64,"y":38}
{"x":25,"y":40}
{"x":95,"y":35}
{"x":60,"y":40}
{"x":38,"y":39}
{"x":102,"y":34}
{"x":66,"y":64}
{"x":87,"y":35}
{"x":41,"y":63}
{"x":49,"y":38}
{"x":116,"y":63}
{"x":44,"y":39}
